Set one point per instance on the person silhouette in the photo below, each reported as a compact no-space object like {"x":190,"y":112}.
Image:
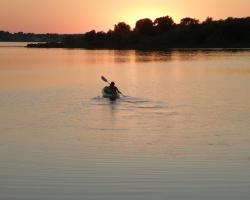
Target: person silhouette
{"x":113,"y":89}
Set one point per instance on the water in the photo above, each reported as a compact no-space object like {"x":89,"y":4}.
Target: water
{"x":182,"y":132}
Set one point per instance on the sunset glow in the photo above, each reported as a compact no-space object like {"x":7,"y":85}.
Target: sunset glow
{"x":77,"y":16}
{"x":131,"y":15}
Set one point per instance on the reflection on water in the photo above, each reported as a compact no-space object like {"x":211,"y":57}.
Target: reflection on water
{"x":182,"y":132}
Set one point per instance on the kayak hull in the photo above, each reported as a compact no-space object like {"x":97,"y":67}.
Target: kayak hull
{"x":107,"y":94}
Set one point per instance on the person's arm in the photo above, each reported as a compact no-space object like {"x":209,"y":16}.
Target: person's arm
{"x":118,"y":91}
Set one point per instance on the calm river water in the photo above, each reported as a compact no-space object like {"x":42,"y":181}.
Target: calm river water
{"x":182,"y":132}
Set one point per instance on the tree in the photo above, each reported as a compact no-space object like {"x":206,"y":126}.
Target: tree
{"x":91,"y":35}
{"x":122,"y":28}
{"x":121,"y":32}
{"x":189,"y":21}
{"x":144,"y":26}
{"x":163,"y":24}
{"x":100,"y":35}
{"x":209,"y":20}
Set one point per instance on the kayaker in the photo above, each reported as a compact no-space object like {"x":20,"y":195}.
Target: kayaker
{"x":113,"y":89}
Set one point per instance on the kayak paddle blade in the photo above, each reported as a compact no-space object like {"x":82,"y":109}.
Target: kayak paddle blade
{"x":104,"y":79}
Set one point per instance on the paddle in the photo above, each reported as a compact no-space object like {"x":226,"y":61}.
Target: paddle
{"x":106,"y":80}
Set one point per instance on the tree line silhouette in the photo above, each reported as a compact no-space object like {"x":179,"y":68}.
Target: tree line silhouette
{"x":6,"y":36}
{"x":164,"y":33}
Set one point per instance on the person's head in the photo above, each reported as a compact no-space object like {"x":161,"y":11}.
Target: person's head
{"x":112,"y":84}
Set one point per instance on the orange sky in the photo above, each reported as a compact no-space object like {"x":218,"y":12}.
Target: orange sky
{"x":78,"y":16}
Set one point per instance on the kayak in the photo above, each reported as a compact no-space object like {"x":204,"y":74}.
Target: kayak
{"x":106,"y":93}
